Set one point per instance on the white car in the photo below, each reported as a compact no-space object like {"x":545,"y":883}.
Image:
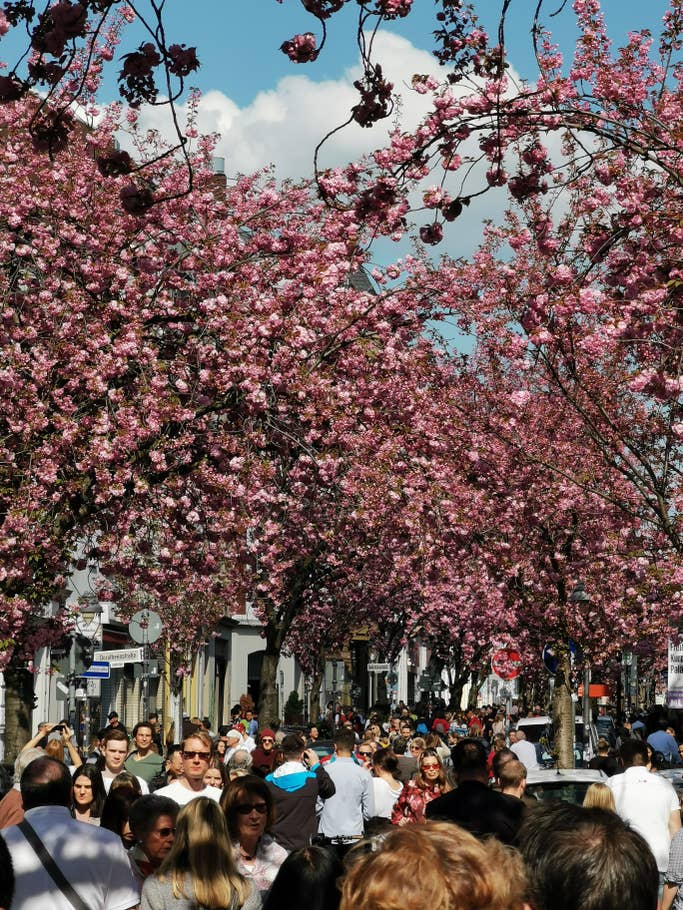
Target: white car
{"x":569,"y":784}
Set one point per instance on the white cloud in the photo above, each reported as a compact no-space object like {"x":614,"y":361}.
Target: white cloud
{"x":282,"y":126}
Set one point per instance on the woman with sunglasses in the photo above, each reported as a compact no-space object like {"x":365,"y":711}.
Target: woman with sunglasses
{"x":199,"y":869}
{"x":264,"y":755}
{"x":417,"y":747}
{"x":152,"y":820}
{"x":429,"y":782}
{"x":249,"y":812}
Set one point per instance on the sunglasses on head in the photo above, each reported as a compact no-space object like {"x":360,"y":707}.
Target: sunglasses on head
{"x":246,"y":808}
{"x":203,"y":755}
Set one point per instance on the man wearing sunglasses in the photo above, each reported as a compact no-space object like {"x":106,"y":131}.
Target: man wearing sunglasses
{"x":197,"y":750}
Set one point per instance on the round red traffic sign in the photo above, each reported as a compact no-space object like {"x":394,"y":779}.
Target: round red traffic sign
{"x":506,"y":662}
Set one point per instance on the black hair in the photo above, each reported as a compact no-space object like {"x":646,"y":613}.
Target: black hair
{"x":632,"y":749}
{"x":99,"y":794}
{"x":345,"y":740}
{"x":144,"y":812}
{"x":116,"y":809}
{"x":307,"y":878}
{"x":586,"y":857}
{"x":399,"y":744}
{"x":469,"y":757}
{"x":6,"y":876}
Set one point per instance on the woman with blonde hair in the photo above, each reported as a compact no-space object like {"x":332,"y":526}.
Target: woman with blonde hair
{"x":440,"y":866}
{"x":599,"y":796}
{"x":199,"y":870}
{"x":429,"y":782}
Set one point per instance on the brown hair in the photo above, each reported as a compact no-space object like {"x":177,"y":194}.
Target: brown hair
{"x":234,"y":793}
{"x":115,"y":735}
{"x":464,"y":873}
{"x":512,"y":774}
{"x":422,"y":781}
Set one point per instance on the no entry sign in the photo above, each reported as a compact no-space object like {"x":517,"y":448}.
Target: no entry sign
{"x":505,"y":663}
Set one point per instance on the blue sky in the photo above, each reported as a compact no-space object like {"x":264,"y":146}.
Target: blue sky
{"x":238,"y":40}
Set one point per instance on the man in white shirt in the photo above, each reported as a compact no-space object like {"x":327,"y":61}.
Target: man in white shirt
{"x":524,"y":750}
{"x":646,"y":801}
{"x":196,"y":752}
{"x":91,"y":859}
{"x":114,"y":753}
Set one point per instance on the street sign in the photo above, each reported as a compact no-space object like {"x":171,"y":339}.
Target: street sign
{"x":379,"y":668}
{"x":120,"y":657}
{"x":549,"y":655}
{"x":550,"y":658}
{"x":145,"y":627}
{"x":61,"y":691}
{"x":505,"y":663}
{"x":98,"y":669}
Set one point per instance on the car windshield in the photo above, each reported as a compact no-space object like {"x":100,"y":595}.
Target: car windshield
{"x":570,"y":791}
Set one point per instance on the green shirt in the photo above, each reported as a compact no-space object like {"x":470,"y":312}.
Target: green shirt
{"x":147,"y":767}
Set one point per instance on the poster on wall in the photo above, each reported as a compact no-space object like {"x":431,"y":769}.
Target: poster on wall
{"x":674,"y":695}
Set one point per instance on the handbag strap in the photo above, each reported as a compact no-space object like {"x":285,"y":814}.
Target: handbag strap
{"x":51,"y":867}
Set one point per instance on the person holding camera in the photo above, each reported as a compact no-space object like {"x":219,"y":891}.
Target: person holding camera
{"x":57,"y":741}
{"x":295,"y":787}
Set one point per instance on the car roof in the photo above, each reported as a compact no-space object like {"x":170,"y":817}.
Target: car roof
{"x":565,"y":775}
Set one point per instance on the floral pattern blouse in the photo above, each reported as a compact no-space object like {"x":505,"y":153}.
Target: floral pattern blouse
{"x":263,"y":869}
{"x":412,"y":803}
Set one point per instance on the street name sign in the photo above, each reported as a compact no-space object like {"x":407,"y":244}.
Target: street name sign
{"x":120,"y":657}
{"x":98,"y":669}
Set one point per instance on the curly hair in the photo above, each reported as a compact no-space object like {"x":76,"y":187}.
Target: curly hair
{"x":464,"y":873}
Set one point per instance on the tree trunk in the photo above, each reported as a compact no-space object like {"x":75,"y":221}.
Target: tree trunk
{"x":562,"y":715}
{"x":476,"y":685}
{"x":456,"y":694}
{"x":314,"y":697}
{"x":18,"y":708}
{"x":268,"y":701}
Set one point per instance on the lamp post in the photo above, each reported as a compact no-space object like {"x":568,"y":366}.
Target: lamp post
{"x":580,"y":598}
{"x":88,"y":611}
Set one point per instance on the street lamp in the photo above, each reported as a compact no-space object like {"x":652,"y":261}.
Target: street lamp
{"x":580,"y":598}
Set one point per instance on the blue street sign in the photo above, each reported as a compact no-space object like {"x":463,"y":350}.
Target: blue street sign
{"x":98,"y":669}
{"x":549,"y":655}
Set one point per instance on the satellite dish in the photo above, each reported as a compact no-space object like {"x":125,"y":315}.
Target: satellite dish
{"x":145,"y":627}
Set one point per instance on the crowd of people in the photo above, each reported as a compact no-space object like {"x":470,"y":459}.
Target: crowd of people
{"x":431,"y":809}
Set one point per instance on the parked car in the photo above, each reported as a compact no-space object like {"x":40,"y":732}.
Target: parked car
{"x":569,"y":784}
{"x":675,"y":777}
{"x":324,"y":748}
{"x":539,"y":731}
